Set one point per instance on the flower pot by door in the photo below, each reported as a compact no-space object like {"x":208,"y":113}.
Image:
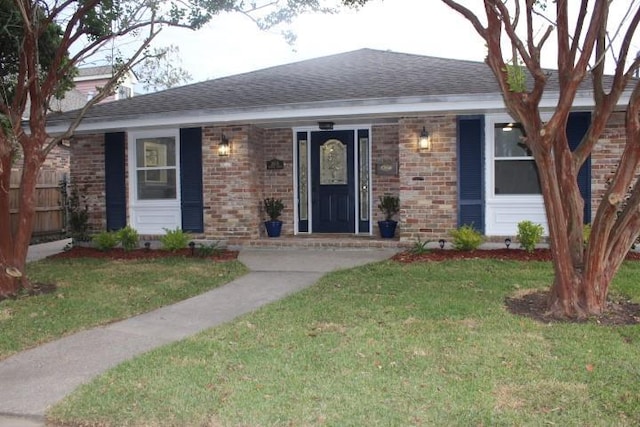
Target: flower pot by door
{"x":273,"y":228}
{"x":387,"y":229}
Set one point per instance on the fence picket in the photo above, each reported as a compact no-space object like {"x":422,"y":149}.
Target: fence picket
{"x":49,"y":217}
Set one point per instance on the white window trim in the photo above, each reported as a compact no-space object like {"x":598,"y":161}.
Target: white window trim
{"x":506,"y":208}
{"x":168,"y":210}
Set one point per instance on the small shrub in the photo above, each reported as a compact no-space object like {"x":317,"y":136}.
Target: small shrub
{"x":77,"y":212}
{"x":586,"y":233}
{"x":174,"y":240}
{"x":389,"y":206}
{"x":273,"y":207}
{"x":419,"y":247}
{"x":466,"y":238}
{"x":105,"y":241}
{"x":128,"y":238}
{"x":529,"y":235}
{"x":209,"y":250}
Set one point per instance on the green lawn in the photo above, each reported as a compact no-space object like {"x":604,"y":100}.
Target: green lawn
{"x":95,"y":292}
{"x":384,"y":345}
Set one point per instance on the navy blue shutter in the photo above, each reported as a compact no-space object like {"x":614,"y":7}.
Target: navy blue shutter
{"x":115,"y":187}
{"x":470,"y":171}
{"x":577,"y":127}
{"x":191,"y":179}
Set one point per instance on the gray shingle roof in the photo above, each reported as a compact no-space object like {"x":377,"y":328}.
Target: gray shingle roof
{"x":99,"y":70}
{"x":357,"y":75}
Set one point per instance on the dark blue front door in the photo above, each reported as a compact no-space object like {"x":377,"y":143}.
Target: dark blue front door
{"x":332,"y":182}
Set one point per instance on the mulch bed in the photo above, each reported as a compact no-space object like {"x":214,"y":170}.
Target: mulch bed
{"x":534,"y":305}
{"x":121,"y":254}
{"x":502,"y":254}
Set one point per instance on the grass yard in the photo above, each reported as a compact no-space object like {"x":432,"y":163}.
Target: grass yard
{"x":95,"y":292}
{"x":384,"y":345}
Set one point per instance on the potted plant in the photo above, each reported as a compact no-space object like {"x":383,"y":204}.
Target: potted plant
{"x":273,"y":208}
{"x":389,"y":205}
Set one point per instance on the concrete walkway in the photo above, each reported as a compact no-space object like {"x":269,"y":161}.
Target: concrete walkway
{"x":33,"y":380}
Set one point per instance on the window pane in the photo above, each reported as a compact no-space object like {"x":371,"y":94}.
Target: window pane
{"x":156,"y":184}
{"x":516,"y":177}
{"x":508,"y":141}
{"x":333,"y":163}
{"x":302,"y":179}
{"x":364,"y":179}
{"x":155,"y":152}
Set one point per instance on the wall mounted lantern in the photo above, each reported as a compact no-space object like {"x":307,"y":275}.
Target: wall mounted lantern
{"x":424,"y":143}
{"x":225,"y":147}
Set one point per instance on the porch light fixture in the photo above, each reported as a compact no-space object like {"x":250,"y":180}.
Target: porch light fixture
{"x":225,"y":147}
{"x":507,"y":242}
{"x":325,"y":125}
{"x":424,"y":143}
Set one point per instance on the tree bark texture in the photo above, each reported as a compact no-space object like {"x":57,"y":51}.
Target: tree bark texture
{"x":583,"y":272}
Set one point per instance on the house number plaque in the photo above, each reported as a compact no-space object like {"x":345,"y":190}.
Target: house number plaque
{"x":275,"y":164}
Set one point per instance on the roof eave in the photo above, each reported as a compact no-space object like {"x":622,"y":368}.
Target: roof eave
{"x":370,"y":109}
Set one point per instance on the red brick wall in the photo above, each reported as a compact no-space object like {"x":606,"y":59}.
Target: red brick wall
{"x":235,"y":186}
{"x":87,"y":173}
{"x":384,"y":150}
{"x":59,"y":159}
{"x":605,"y":158}
{"x":230,"y":184}
{"x":428,"y":183}
{"x":278,"y":183}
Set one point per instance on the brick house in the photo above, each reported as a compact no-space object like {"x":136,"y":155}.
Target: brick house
{"x":328,"y":136}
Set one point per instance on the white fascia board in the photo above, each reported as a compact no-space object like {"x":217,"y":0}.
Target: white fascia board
{"x":289,"y":112}
{"x":370,"y":108}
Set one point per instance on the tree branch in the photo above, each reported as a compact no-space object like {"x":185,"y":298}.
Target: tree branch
{"x":469,"y":15}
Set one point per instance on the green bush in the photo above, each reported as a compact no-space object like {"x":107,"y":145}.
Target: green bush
{"x":273,"y":207}
{"x":105,"y":240}
{"x":128,"y":238}
{"x":466,"y":238}
{"x":389,"y":206}
{"x":529,"y":235}
{"x":419,"y":247}
{"x":77,"y":212}
{"x":174,"y":240}
{"x":209,"y":250}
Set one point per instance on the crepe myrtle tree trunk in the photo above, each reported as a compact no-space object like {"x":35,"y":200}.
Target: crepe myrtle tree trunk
{"x":583,"y":272}
{"x":14,"y":242}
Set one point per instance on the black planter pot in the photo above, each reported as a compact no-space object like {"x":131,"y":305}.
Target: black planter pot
{"x":387,"y":228}
{"x":273,"y":228}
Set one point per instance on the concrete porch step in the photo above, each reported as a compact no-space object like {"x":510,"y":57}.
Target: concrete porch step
{"x":326,"y":241}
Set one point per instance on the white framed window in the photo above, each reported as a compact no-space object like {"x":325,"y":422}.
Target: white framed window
{"x":512,"y":192}
{"x":154,"y":180}
{"x":515,"y":171}
{"x":156,"y":168}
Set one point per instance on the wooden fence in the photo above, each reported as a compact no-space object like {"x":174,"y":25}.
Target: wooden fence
{"x":50,"y":215}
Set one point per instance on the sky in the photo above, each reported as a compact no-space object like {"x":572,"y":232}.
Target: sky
{"x":231,"y":44}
